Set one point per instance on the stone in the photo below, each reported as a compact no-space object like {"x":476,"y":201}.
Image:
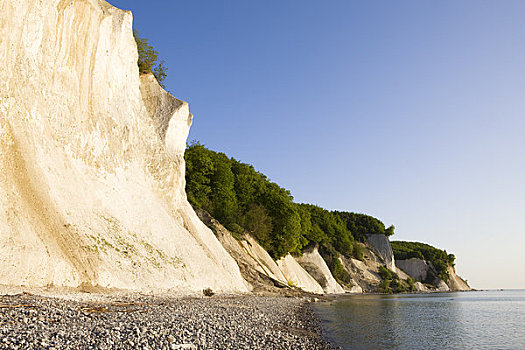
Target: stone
{"x":184,"y":346}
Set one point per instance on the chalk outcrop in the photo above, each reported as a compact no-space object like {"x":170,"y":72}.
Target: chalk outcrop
{"x":266,"y":275}
{"x":256,"y":265}
{"x":420,"y":270}
{"x":415,"y":268}
{"x":381,"y":245}
{"x":364,"y":273}
{"x":315,"y":265}
{"x":455,"y":282}
{"x":92,"y":181}
{"x":297,"y":276}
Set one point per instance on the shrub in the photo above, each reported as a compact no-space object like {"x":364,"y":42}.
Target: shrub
{"x":385,"y":273}
{"x":391,"y":283}
{"x":359,"y":251}
{"x":331,"y":257}
{"x":411,"y":284}
{"x":384,"y":287}
{"x":236,"y":230}
{"x":257,"y":221}
{"x":148,"y":58}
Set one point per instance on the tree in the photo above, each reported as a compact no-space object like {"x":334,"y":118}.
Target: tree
{"x":148,"y":57}
{"x":362,"y":225}
{"x":243,"y":199}
{"x":285,"y":218}
{"x":199,"y":168}
{"x":257,"y":221}
{"x":224,"y":202}
{"x":451,"y":259}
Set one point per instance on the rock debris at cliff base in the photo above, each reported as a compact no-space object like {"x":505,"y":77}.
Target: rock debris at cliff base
{"x":35,"y":322}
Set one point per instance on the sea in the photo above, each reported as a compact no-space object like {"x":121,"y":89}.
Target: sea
{"x":462,"y":320}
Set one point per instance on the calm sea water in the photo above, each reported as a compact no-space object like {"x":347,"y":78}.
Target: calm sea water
{"x":467,"y":320}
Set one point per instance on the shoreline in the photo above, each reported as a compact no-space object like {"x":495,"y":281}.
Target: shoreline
{"x":146,"y":322}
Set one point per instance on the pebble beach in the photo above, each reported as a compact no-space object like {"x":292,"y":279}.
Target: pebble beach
{"x":142,"y":322}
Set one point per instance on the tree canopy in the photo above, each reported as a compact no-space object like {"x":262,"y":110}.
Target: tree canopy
{"x":245,"y":200}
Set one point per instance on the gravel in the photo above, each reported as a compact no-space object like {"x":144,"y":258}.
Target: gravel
{"x":221,"y":322}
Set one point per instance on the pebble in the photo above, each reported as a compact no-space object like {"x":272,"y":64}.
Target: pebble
{"x":218,"y":322}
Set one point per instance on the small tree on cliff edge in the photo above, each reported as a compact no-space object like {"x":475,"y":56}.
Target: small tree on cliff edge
{"x":148,"y":57}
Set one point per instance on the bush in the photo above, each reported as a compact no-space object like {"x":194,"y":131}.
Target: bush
{"x":331,"y":257}
{"x":397,"y":286}
{"x":257,"y":221}
{"x":148,"y":57}
{"x":236,"y":230}
{"x":384,"y":287}
{"x":391,"y":283}
{"x":359,"y":251}
{"x":411,"y":284}
{"x":385,"y":273}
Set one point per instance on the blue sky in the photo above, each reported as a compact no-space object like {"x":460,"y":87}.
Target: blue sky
{"x":410,"y":111}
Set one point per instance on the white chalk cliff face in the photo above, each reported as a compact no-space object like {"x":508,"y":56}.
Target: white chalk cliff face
{"x":297,"y":276}
{"x":381,"y":244}
{"x":315,"y":265}
{"x":419,"y":270}
{"x":415,"y":268}
{"x":91,"y":158}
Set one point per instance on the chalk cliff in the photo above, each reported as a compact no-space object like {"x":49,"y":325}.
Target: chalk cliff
{"x":381,"y":245}
{"x":420,"y":269}
{"x":91,"y":157}
{"x":266,"y":275}
{"x":365,"y":273}
{"x":455,"y":282}
{"x":415,"y":268}
{"x":315,"y":265}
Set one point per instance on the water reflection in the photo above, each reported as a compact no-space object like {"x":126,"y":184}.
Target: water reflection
{"x":434,"y":321}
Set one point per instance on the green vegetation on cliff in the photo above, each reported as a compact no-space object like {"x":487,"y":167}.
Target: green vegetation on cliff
{"x":148,"y":58}
{"x":391,"y":283}
{"x":243,"y":199}
{"x":439,"y":258}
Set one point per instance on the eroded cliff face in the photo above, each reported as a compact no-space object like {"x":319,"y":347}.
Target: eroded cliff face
{"x":415,"y":268}
{"x":456,"y":282}
{"x":381,"y":245}
{"x":266,"y":275}
{"x":315,"y":265}
{"x":420,"y":269}
{"x":91,"y":157}
{"x":365,"y":273}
